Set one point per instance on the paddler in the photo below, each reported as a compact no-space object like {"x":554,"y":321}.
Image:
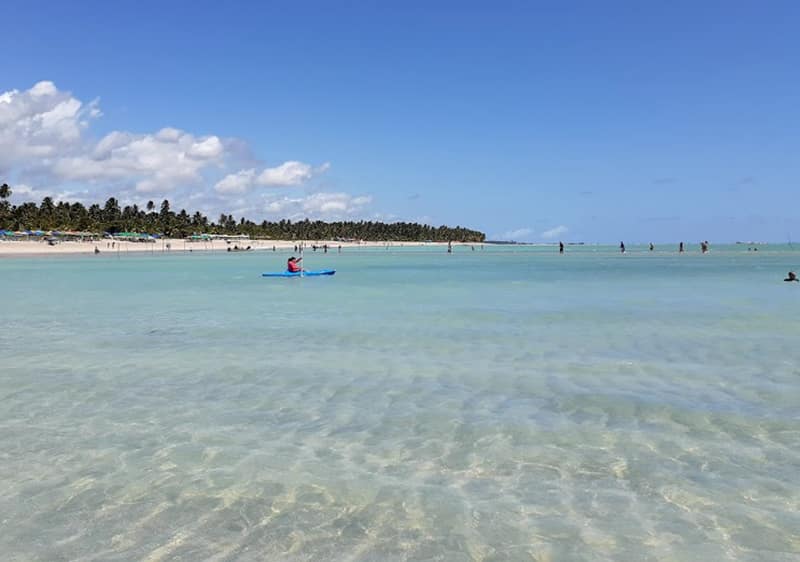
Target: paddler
{"x":293,"y":265}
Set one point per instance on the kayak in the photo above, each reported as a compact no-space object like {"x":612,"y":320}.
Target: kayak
{"x":300,"y":274}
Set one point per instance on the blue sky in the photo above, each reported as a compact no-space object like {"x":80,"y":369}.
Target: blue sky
{"x":584,"y":121}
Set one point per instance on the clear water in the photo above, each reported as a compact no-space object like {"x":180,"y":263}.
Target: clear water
{"x":504,"y":404}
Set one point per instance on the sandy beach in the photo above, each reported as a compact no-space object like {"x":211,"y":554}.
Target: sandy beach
{"x":23,"y":248}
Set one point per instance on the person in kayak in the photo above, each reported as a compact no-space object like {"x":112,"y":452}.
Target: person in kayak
{"x":293,"y":265}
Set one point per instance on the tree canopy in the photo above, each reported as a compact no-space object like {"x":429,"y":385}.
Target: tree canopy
{"x":49,"y":215}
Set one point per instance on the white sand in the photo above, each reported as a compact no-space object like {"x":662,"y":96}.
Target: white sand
{"x":41,"y":248}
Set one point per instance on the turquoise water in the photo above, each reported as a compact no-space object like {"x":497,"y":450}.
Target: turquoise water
{"x":504,"y":404}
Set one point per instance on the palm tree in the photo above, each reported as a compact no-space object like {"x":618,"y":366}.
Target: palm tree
{"x":111,"y":218}
{"x":46,"y":213}
{"x":199,"y":220}
{"x":5,"y":206}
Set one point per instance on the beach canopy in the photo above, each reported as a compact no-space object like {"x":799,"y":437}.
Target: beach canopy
{"x":133,"y":235}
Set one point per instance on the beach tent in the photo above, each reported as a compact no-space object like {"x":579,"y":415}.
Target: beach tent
{"x":133,"y":236}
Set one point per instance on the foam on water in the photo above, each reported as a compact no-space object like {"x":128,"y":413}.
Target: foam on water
{"x":505,"y":404}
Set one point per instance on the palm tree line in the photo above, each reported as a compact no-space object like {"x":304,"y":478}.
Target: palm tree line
{"x":111,"y":218}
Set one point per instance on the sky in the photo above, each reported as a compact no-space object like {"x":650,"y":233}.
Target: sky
{"x":530,"y":121}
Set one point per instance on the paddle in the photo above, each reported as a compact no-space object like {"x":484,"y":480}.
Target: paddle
{"x":301,"y":259}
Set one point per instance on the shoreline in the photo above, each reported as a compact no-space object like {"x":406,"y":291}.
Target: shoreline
{"x":41,"y":249}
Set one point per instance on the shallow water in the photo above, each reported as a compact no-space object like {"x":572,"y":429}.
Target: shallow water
{"x":501,"y":404}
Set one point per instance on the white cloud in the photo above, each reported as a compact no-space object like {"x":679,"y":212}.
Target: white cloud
{"x":44,"y":88}
{"x":206,"y":149}
{"x":22,"y":193}
{"x":40,"y":123}
{"x":45,"y":142}
{"x":362,"y":200}
{"x":516,"y":235}
{"x":323,"y":206}
{"x":43,"y":129}
{"x":157,"y":162}
{"x":168,"y":134}
{"x":239,"y":182}
{"x":288,"y":174}
{"x":554,"y":232}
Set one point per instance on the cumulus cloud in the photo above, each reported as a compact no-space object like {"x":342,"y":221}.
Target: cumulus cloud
{"x":43,"y":128}
{"x":288,"y":174}
{"x":554,"y":232}
{"x":44,"y":136}
{"x":40,"y":123}
{"x":239,"y":182}
{"x":330,"y":206}
{"x":157,"y":162}
{"x":22,"y":193}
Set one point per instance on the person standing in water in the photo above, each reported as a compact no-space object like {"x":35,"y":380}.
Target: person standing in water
{"x":652,"y":247}
{"x":704,"y":246}
{"x":449,"y":247}
{"x":680,"y":248}
{"x":560,"y":247}
{"x":622,"y":247}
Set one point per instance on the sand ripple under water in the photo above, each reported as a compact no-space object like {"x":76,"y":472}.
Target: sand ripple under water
{"x":498,"y":406}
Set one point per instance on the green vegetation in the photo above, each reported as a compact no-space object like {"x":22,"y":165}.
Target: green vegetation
{"x":111,"y":218}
